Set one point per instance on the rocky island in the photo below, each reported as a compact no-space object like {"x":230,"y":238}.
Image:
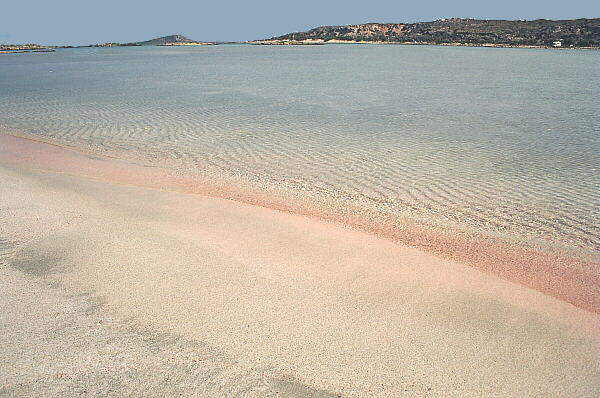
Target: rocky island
{"x":173,"y":40}
{"x":576,"y":33}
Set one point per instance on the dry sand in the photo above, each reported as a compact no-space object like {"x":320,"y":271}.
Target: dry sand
{"x":110,"y":288}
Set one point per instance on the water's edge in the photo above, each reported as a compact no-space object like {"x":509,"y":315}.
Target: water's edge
{"x":566,"y":277}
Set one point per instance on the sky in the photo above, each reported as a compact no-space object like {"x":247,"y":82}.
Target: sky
{"x":82,"y":22}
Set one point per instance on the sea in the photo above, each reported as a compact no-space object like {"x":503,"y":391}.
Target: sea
{"x":498,"y":144}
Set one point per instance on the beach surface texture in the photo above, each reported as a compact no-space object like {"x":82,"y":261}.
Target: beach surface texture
{"x":117,"y":281}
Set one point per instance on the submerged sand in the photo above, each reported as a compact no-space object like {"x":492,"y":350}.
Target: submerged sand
{"x":113,"y":288}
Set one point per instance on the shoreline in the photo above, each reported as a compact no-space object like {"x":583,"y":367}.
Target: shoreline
{"x":50,"y":49}
{"x":399,"y":43}
{"x":567,"y":278}
{"x":119,"y":280}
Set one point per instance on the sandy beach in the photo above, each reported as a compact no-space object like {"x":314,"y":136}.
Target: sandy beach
{"x":115,"y":282}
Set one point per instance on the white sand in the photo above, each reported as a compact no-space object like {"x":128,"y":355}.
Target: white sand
{"x":113,"y":288}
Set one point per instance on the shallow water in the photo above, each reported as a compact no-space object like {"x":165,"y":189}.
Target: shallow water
{"x":497,"y":142}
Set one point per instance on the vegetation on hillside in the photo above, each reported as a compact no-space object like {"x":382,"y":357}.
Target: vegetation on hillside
{"x":541,"y":32}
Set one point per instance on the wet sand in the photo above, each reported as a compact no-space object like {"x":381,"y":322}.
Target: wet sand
{"x":112,"y":287}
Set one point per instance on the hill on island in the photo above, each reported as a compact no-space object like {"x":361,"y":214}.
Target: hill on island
{"x":541,"y":32}
{"x":173,"y":39}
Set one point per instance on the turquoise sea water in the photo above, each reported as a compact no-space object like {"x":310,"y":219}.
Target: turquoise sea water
{"x":503,"y":142}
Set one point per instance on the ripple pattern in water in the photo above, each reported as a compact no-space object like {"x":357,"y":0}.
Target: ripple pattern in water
{"x":501,"y":141}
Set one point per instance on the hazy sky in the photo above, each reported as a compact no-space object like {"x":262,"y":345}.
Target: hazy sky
{"x":79,"y":22}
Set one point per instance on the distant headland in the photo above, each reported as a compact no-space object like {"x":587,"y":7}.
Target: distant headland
{"x":575,"y":33}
